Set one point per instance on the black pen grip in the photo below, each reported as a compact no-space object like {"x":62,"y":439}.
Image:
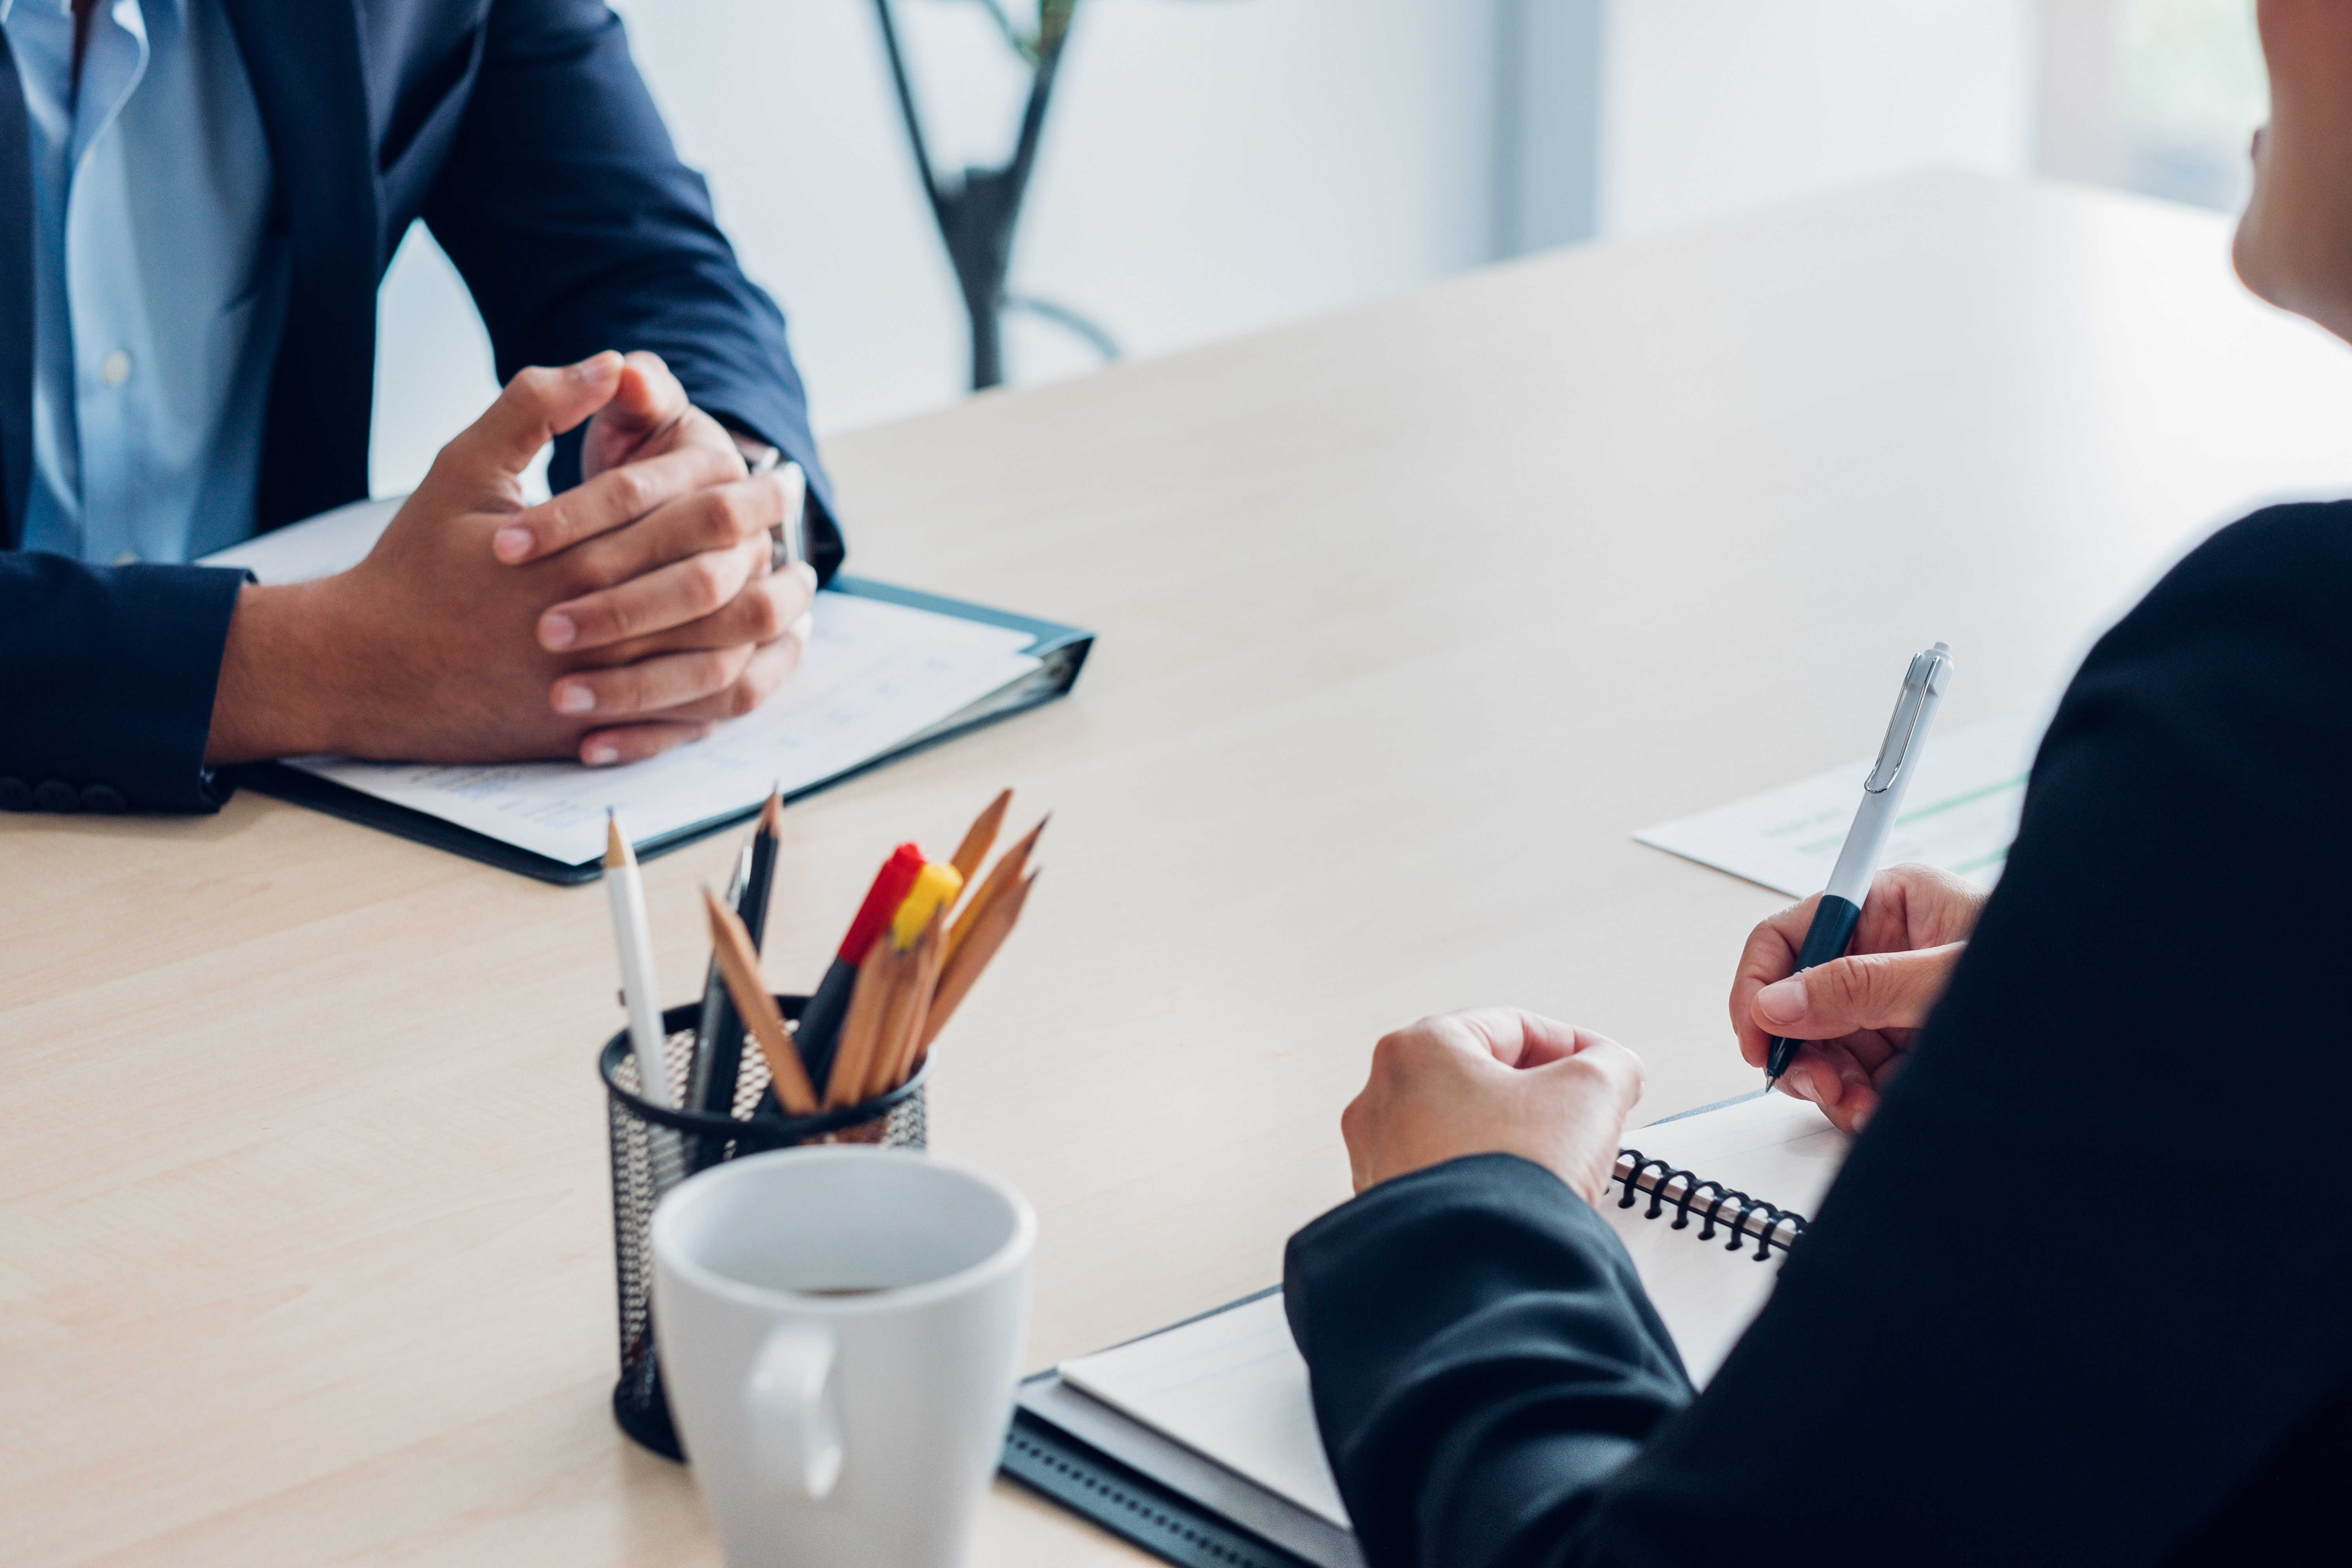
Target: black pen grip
{"x":1833,"y":923}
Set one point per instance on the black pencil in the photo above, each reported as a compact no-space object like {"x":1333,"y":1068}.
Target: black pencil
{"x":719,"y":1056}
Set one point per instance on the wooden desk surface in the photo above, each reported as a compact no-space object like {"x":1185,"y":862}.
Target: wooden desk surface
{"x":1408,"y":618}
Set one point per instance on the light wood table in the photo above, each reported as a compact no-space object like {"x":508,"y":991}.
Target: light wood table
{"x":1408,"y":619}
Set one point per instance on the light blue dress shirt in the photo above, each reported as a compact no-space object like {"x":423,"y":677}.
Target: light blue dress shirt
{"x":159,"y":287}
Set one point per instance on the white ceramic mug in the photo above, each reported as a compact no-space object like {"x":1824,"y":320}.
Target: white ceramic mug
{"x":840,"y":1331}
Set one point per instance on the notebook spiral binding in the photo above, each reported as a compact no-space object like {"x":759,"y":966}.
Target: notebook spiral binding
{"x":1776,"y":1227}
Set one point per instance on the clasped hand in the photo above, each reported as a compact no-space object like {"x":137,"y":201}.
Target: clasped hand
{"x":626,"y":615}
{"x":1497,"y":1080}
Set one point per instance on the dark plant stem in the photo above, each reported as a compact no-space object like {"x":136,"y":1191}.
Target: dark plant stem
{"x":977,"y":216}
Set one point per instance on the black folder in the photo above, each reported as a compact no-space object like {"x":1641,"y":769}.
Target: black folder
{"x":1060,"y":649}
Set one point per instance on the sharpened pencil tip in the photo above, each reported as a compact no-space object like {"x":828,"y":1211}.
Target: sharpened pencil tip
{"x":616,"y":843}
{"x":772,"y":819}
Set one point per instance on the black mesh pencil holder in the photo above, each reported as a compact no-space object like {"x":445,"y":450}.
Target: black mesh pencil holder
{"x":894,"y":1119}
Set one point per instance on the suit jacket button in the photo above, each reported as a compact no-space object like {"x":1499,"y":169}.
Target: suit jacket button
{"x":16,"y":794}
{"x":56,"y":795}
{"x":105,"y":798}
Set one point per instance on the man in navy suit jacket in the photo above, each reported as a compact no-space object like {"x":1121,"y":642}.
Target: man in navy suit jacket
{"x":632,"y":612}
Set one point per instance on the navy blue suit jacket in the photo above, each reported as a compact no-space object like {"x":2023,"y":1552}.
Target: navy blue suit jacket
{"x":520,"y":132}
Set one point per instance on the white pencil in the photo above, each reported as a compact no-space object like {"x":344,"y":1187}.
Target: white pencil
{"x":638,"y":987}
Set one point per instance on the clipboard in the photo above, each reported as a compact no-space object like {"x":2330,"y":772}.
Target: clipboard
{"x":1061,"y":651}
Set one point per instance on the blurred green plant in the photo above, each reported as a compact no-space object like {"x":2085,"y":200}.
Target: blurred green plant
{"x":1053,"y":23}
{"x":979,"y":209}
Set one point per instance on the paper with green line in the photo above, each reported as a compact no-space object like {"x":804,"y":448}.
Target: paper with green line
{"x":1960,"y":813}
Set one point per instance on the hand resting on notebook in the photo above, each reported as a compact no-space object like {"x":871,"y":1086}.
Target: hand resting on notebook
{"x":626,"y":615}
{"x":1858,"y":1015}
{"x":1493,"y":1080}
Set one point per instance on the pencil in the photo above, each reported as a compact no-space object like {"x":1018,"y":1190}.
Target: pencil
{"x":733,"y":943}
{"x":821,"y":1020}
{"x":979,"y":838}
{"x":963,"y":966}
{"x":719,"y":1036}
{"x":750,"y":906}
{"x":639,"y":989}
{"x":854,"y":1057}
{"x":1001,"y":880}
{"x":902,"y":1022}
{"x":762,"y":881}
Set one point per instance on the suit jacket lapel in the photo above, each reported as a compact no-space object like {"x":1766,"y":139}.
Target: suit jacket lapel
{"x":308,"y":76}
{"x":15,"y":302}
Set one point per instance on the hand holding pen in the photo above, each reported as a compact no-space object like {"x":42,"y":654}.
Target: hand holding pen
{"x":1858,"y":1015}
{"x":1837,"y":912}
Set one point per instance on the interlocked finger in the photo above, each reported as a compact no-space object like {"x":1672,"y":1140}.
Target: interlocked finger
{"x":673,"y":595}
{"x":612,"y":498}
{"x":635,"y":743}
{"x":651,"y":686}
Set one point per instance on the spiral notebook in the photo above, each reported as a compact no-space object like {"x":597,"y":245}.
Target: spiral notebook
{"x":1198,"y":1442}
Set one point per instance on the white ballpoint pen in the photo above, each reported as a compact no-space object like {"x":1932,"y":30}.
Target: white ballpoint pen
{"x":1840,"y":909}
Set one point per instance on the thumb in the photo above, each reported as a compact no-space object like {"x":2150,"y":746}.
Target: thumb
{"x":537,"y":406}
{"x":647,"y":403}
{"x":1866,"y":991}
{"x":648,"y":396}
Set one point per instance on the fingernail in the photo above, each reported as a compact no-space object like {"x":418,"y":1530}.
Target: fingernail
{"x":556,"y":631}
{"x":1783,"y":1000}
{"x":574,"y":699}
{"x":1803,"y":1082}
{"x":603,"y":756}
{"x":1860,"y":1118}
{"x":596,"y":367}
{"x":511,"y":543}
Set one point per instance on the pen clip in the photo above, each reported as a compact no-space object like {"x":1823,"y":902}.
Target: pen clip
{"x":1925,"y":679}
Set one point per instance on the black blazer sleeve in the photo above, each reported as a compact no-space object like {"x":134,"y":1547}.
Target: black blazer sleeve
{"x":577,"y":228}
{"x":2075,"y":1299}
{"x":106,"y":683}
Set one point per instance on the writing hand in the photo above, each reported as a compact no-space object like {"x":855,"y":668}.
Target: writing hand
{"x":1858,"y":1015}
{"x":1493,"y":1080}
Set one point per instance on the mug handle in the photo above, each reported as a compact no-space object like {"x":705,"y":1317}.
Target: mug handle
{"x":792,"y":1413}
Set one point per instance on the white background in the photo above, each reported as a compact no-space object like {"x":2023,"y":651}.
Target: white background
{"x":1213,"y":167}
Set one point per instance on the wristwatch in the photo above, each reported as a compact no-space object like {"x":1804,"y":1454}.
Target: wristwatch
{"x":784,"y":547}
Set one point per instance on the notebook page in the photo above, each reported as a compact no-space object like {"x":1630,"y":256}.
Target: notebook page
{"x":1960,"y":813}
{"x":1771,"y":1147}
{"x":1232,"y":1387}
{"x":875,"y":675}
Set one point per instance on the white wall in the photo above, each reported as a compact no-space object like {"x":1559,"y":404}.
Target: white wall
{"x":1218,"y":167}
{"x":1211,"y":167}
{"x":1710,"y":106}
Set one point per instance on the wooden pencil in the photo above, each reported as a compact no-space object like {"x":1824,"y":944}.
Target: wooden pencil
{"x":1002,"y":878}
{"x":740,"y":966}
{"x":853,"y":1058}
{"x":963,"y":966}
{"x":903,"y":1024}
{"x":981,"y":838}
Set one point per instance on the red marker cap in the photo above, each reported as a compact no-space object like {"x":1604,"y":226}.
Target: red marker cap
{"x":891,"y":886}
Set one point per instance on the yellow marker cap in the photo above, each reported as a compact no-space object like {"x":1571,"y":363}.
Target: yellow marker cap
{"x":935,"y":885}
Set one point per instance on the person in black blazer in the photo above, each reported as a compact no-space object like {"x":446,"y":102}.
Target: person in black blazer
{"x":520,"y":132}
{"x":2080,"y":1293}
